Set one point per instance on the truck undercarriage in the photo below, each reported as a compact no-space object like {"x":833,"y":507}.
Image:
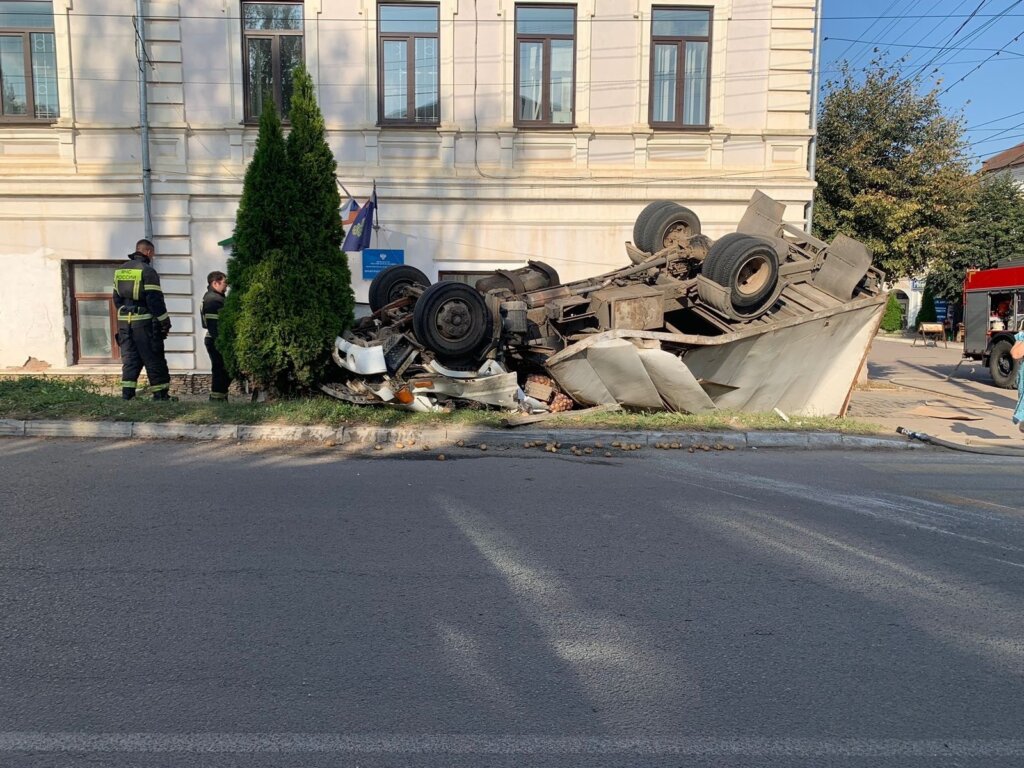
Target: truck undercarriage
{"x":764,"y":317}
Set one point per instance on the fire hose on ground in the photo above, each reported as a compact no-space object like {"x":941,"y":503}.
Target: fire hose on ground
{"x":940,"y":443}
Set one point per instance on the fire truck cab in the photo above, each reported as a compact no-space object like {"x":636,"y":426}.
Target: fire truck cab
{"x":993,"y":313}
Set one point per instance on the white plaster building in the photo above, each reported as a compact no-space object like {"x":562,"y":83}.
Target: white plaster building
{"x":496,"y":131}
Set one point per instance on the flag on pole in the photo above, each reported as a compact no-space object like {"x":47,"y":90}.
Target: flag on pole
{"x":358,"y":236}
{"x":349,"y":211}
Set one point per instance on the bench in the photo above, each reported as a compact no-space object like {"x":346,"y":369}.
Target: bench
{"x":931,"y":332}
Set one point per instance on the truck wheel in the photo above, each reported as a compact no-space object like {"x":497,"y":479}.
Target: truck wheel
{"x":387,"y":284}
{"x":451,"y":320}
{"x":644,"y":217}
{"x":1003,"y":367}
{"x":668,"y":226}
{"x":717,"y":256}
{"x":748,"y":267}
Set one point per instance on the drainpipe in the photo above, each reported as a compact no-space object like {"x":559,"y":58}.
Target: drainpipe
{"x":140,"y":52}
{"x":812,"y":148}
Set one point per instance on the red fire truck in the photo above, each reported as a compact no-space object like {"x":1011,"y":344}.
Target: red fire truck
{"x":993,"y":312}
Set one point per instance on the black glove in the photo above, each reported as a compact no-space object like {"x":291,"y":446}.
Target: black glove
{"x":165,"y":329}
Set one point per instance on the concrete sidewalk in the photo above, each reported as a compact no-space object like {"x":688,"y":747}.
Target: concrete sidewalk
{"x":922,"y":388}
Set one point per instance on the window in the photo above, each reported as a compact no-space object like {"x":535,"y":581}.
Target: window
{"x":28,"y":62}
{"x":272,"y":50}
{"x":545,"y":65}
{"x":93,"y":318}
{"x":680,"y":46}
{"x":408,"y":64}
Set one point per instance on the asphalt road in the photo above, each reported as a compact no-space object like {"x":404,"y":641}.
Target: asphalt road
{"x":183,"y":604}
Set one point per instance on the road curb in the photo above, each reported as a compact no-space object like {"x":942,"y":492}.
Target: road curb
{"x":442,"y":436}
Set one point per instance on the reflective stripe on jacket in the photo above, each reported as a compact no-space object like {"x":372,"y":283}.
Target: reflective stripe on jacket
{"x":137,"y":292}
{"x":213,"y":303}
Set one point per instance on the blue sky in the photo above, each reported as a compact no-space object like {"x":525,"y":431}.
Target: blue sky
{"x":942,"y":40}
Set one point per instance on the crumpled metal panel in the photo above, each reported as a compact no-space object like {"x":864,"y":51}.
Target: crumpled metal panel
{"x":617,"y":371}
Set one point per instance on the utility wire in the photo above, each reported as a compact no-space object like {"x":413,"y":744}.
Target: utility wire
{"x":964,"y":77}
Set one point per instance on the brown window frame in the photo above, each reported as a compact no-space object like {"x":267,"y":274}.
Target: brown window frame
{"x":410,"y":39}
{"x":545,"y":39}
{"x":75,"y":297}
{"x":681,"y":42}
{"x":274,"y":35}
{"x":30,"y":91}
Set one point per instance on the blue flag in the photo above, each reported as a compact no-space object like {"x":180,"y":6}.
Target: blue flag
{"x":358,"y":236}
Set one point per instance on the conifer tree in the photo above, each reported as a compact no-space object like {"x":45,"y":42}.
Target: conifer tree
{"x":301,"y":297}
{"x":267,"y":196}
{"x":892,"y":320}
{"x":927,"y":312}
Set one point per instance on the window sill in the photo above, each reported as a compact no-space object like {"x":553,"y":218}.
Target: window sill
{"x":11,"y":122}
{"x":254,"y":122}
{"x":545,"y":127}
{"x":406,"y":126}
{"x":663,"y":128}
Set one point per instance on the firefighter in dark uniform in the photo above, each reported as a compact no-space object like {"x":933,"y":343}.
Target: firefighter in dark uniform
{"x":142,"y":323}
{"x":213,"y":303}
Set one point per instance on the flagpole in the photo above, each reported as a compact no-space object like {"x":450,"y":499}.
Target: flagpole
{"x":376,"y":219}
{"x":336,"y":179}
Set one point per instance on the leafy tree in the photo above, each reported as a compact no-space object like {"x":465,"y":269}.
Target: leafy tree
{"x":993,"y":231}
{"x":300,"y":296}
{"x":927,"y":312}
{"x":892,"y":320}
{"x":891,"y":169}
{"x":268,"y":194}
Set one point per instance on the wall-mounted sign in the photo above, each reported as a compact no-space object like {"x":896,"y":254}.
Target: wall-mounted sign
{"x":377,"y":259}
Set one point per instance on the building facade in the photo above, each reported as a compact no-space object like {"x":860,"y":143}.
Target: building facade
{"x":495,"y":131}
{"x":1009,"y":161}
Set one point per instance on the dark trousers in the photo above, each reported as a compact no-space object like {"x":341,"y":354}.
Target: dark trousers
{"x":221,"y":380}
{"x":142,"y":346}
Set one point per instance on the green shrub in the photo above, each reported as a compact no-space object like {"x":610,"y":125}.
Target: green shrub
{"x":291,"y":285}
{"x":927,"y":312}
{"x":268,"y":194}
{"x":892,"y":320}
{"x":289,"y":318}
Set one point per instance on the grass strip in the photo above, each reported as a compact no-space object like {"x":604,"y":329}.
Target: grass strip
{"x":33,"y":398}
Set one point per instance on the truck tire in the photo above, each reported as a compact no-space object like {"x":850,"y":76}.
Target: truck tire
{"x":644,"y":217}
{"x":452,"y":320}
{"x":387,"y":284}
{"x":716,"y":255}
{"x":668,"y":226}
{"x":1004,"y":369}
{"x":748,"y":267}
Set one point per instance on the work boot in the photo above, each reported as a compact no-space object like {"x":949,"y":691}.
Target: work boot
{"x":218,"y":397}
{"x":127,"y":393}
{"x":164,"y":396}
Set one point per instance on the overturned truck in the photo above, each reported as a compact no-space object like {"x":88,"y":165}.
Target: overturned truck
{"x":766,"y":317}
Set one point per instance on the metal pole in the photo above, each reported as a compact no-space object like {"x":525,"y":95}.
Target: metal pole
{"x":812,"y":148}
{"x":140,"y":52}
